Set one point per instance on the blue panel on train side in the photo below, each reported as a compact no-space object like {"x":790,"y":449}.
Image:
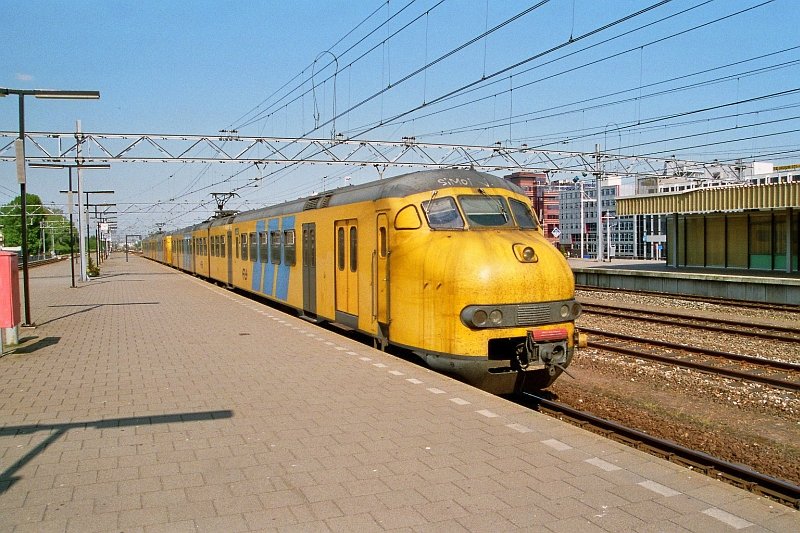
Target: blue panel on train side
{"x":258,"y":267}
{"x":282,"y":289}
{"x":269,"y":268}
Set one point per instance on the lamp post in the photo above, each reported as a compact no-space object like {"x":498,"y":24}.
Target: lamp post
{"x":20,"y":154}
{"x":70,"y":202}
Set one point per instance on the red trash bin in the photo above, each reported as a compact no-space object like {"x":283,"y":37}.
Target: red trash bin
{"x":9,"y":290}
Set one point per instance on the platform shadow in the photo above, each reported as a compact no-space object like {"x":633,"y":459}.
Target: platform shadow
{"x":36,"y":346}
{"x":7,"y":476}
{"x":90,"y":307}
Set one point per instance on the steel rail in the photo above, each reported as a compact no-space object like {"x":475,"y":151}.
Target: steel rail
{"x":612,"y":310}
{"x":791,"y":308}
{"x":768,"y":380}
{"x":741,"y":476}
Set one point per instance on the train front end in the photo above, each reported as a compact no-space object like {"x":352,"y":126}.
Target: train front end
{"x":496,"y":299}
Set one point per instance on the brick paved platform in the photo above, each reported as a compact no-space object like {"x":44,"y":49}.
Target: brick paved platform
{"x":148,"y":400}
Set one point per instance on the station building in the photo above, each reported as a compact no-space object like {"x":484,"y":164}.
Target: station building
{"x":544,"y":198}
{"x":751,"y":227}
{"x":687,"y":221}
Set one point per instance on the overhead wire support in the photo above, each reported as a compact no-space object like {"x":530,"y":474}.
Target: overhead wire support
{"x":407,"y":153}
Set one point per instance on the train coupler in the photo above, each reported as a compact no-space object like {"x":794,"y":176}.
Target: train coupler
{"x":549,"y":347}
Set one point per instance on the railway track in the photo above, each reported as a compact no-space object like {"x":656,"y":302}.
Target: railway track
{"x":738,"y":475}
{"x":722,"y":325}
{"x":781,"y":374}
{"x":705,"y":299}
{"x":41,"y":262}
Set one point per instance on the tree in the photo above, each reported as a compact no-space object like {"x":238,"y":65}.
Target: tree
{"x":56,"y":226}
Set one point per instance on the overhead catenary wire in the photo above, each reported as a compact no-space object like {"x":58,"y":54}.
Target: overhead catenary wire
{"x":273,"y":177}
{"x":484,"y":34}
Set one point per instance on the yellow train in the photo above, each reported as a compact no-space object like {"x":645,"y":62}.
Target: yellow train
{"x":450,"y":264}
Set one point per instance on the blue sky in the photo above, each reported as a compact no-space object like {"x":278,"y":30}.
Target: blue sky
{"x":198,"y":67}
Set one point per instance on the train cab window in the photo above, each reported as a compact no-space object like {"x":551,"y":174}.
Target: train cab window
{"x":289,"y":248}
{"x":486,"y":211}
{"x":442,"y":213}
{"x":275,"y":246}
{"x":407,"y":218}
{"x":340,"y":249}
{"x":244,"y":246}
{"x":263,"y":246}
{"x":353,"y":249}
{"x":253,"y":247}
{"x":522,"y":214}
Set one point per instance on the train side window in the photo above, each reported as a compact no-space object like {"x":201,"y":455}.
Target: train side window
{"x":289,"y":248}
{"x":244,"y":246}
{"x":340,"y":249}
{"x":275,"y":247}
{"x":407,"y":218}
{"x":222,"y":246}
{"x":263,"y":238}
{"x":522,"y":213}
{"x":353,"y":249}
{"x":253,"y":247}
{"x":382,"y":242}
{"x":442,"y":213}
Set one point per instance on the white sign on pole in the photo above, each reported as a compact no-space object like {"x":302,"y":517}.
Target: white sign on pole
{"x":19,"y":146}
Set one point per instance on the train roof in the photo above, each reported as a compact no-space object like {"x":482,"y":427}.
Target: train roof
{"x":394,"y":187}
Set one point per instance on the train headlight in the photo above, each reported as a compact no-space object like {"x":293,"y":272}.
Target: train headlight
{"x":479,"y":317}
{"x":525,"y":253}
{"x":496,"y":317}
{"x":564,"y":311}
{"x":528,"y":254}
{"x":577,"y":309}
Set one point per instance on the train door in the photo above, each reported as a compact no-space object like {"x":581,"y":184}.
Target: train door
{"x":310,"y":268}
{"x":380,"y":277}
{"x":230,"y":258}
{"x":346,"y":268}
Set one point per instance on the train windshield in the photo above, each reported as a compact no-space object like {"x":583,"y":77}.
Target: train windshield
{"x":442,"y":213}
{"x":523,"y":215}
{"x":486,"y":211}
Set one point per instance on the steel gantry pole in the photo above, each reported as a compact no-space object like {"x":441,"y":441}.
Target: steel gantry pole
{"x":20,"y":157}
{"x":599,"y":175}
